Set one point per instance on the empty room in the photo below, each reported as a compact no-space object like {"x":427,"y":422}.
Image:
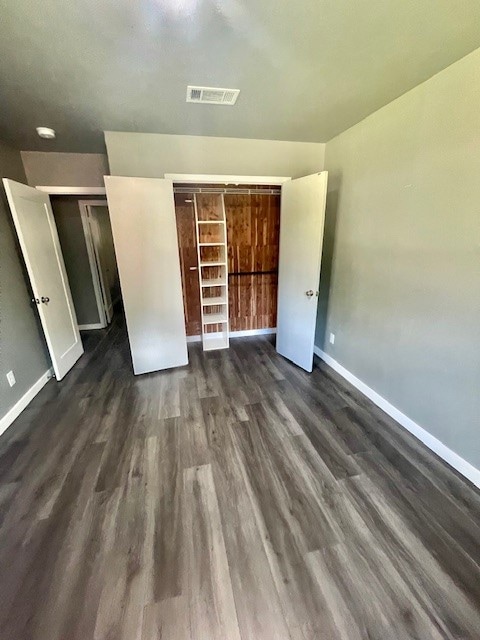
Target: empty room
{"x":240,"y":320}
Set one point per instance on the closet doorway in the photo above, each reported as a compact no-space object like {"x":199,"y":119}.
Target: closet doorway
{"x":252,"y":217}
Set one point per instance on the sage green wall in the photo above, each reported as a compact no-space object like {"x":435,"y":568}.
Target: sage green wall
{"x":151,"y":155}
{"x":401,"y":269}
{"x":74,"y":249}
{"x":22,"y":348}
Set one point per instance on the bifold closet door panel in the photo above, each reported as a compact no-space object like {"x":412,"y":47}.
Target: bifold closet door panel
{"x":142,"y":214}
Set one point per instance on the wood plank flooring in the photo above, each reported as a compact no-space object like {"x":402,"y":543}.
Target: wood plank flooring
{"x":238,"y":498}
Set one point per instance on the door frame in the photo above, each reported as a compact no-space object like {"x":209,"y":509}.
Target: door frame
{"x":186,"y":178}
{"x":72,"y":191}
{"x":194,"y":178}
{"x":99,"y":285}
{"x":58,"y":190}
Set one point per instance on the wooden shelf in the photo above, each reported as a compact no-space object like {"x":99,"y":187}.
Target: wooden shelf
{"x":214,"y":282}
{"x":211,"y":302}
{"x":211,"y":244}
{"x":213,"y":264}
{"x":211,"y":221}
{"x":215,"y":318}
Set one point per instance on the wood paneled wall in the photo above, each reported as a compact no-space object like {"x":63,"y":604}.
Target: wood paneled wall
{"x":187,"y":246}
{"x":253,"y":227}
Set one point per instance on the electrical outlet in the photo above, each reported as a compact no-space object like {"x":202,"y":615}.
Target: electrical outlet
{"x":332,"y":338}
{"x":11,"y":378}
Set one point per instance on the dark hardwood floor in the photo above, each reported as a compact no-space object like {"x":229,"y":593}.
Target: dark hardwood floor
{"x":236,"y":498}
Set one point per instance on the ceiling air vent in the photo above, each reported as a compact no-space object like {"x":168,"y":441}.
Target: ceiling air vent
{"x":212,"y":95}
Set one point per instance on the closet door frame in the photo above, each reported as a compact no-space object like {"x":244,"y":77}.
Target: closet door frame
{"x":194,"y":178}
{"x":187,"y":178}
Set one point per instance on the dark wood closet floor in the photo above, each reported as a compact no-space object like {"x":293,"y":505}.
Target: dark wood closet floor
{"x":236,"y":498}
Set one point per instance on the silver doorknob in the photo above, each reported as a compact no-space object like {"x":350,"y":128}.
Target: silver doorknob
{"x":45,"y":300}
{"x":309,"y":293}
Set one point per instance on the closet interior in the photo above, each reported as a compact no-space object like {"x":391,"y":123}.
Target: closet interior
{"x":228,"y":240}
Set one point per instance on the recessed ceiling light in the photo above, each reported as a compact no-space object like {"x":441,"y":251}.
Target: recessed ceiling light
{"x":46,"y":132}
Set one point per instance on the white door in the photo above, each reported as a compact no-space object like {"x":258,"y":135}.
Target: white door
{"x":37,"y":233}
{"x":142,"y":214}
{"x":302,"y":219}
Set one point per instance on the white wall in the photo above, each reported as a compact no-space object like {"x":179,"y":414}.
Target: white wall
{"x":65,"y":169}
{"x":151,"y":155}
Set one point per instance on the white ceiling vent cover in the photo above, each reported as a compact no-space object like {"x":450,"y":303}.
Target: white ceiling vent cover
{"x":212,"y":95}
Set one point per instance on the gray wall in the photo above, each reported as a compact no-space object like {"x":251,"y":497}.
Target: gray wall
{"x":401,"y":267}
{"x":22,"y":347}
{"x":151,"y":155}
{"x":65,"y":169}
{"x":72,"y":240}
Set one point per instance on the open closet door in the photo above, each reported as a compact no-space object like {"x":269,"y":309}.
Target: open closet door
{"x":142,"y":214}
{"x":37,"y":234}
{"x":301,"y":237}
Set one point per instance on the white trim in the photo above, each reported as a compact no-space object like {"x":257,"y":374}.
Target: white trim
{"x":24,"y":401}
{"x":225,"y":179}
{"x":93,"y":325}
{"x":73,"y":191}
{"x":93,"y":261}
{"x":252,"y":332}
{"x":449,"y":456}
{"x":238,"y":334}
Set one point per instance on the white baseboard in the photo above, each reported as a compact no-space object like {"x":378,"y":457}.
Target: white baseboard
{"x":454,"y":460}
{"x":239,"y":334}
{"x":252,"y":332}
{"x":87,"y":327}
{"x":24,"y":401}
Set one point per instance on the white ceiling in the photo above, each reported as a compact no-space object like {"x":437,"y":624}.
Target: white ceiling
{"x":307,"y":69}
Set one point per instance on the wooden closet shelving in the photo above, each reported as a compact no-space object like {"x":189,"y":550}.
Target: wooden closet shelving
{"x":252,"y":228}
{"x":211,"y":230}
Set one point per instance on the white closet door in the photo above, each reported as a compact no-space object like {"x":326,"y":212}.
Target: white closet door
{"x":142,"y":215}
{"x":301,"y":237}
